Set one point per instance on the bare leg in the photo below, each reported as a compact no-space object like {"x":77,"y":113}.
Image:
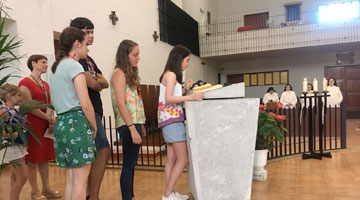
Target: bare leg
{"x":68,"y":187}
{"x":44,"y":174}
{"x":79,"y":182}
{"x":31,"y":172}
{"x":20,"y":178}
{"x":12,"y":177}
{"x":180,"y":164}
{"x":97,"y":172}
{"x":170,"y":161}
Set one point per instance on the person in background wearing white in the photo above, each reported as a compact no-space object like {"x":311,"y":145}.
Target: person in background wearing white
{"x":335,"y":97}
{"x":270,"y":96}
{"x":288,"y":97}
{"x":309,"y":93}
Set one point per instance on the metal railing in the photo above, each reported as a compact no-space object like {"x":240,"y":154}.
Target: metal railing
{"x":229,"y":35}
{"x":297,"y":141}
{"x":153,"y":147}
{"x":152,"y":150}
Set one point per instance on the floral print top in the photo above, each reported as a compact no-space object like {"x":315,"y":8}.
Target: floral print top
{"x":169,"y":113}
{"x":134,"y":104}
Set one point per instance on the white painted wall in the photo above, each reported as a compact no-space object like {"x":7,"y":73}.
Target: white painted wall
{"x":311,"y":66}
{"x":192,"y":7}
{"x":35,"y":21}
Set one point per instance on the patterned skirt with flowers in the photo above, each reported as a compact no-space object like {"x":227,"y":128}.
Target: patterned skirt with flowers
{"x":73,"y":140}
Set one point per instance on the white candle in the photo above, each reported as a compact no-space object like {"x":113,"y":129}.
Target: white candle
{"x":325,"y":84}
{"x":315,"y":85}
{"x":305,"y":85}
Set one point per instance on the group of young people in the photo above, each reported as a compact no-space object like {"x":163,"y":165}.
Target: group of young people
{"x":289,"y":100}
{"x":79,"y":142}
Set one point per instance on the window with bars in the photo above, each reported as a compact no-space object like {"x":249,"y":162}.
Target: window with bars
{"x":292,"y":12}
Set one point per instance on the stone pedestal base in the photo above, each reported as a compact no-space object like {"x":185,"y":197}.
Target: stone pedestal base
{"x":260,"y":174}
{"x":221,"y":136}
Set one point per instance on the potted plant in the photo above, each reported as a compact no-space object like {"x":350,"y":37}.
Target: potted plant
{"x":7,"y":57}
{"x":270,"y":129}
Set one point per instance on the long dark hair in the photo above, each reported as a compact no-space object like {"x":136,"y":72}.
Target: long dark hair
{"x":173,"y":64}
{"x":122,"y":62}
{"x":67,"y":38}
{"x":286,"y":86}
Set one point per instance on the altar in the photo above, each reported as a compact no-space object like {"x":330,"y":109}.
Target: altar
{"x":221,"y":134}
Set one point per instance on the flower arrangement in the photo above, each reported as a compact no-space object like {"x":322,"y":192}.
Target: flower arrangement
{"x":270,"y":128}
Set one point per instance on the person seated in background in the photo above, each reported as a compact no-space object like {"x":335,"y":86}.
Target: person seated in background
{"x":270,"y":98}
{"x":309,"y":92}
{"x":288,"y":97}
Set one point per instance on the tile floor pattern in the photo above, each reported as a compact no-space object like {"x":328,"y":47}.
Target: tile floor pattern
{"x":288,"y":178}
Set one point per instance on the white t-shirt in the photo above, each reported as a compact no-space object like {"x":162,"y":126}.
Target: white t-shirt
{"x":267,"y":97}
{"x":335,"y":97}
{"x":288,"y":97}
{"x":309,"y":94}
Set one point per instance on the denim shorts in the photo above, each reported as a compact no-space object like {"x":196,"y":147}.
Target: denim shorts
{"x":101,"y":140}
{"x":174,"y":132}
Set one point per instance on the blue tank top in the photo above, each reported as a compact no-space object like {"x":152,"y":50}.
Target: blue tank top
{"x":13,"y":119}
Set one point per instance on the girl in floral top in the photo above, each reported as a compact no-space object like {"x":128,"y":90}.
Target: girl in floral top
{"x":171,"y":117}
{"x":128,"y":110}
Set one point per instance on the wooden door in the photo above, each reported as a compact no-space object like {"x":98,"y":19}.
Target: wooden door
{"x":348,"y":79}
{"x":235,"y":78}
{"x":257,"y":21}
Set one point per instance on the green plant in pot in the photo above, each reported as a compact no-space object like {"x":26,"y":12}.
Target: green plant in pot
{"x":270,"y":128}
{"x":9,"y":132}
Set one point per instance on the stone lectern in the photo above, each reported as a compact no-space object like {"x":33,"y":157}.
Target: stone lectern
{"x":221,"y":134}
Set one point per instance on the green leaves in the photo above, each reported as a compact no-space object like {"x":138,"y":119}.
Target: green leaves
{"x":269,"y":130}
{"x":27,"y":106}
{"x":8,"y":45}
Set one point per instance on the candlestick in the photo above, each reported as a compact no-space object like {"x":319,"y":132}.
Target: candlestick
{"x":325,"y":82}
{"x":305,"y":85}
{"x":315,"y":85}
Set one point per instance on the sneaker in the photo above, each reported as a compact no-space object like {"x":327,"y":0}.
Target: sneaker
{"x":180,"y":196}
{"x":170,"y":197}
{"x":48,"y":193}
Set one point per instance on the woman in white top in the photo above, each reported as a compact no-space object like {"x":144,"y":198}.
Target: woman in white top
{"x":270,"y":96}
{"x":335,"y":97}
{"x":309,"y":92}
{"x":171,"y":118}
{"x":288,"y":97}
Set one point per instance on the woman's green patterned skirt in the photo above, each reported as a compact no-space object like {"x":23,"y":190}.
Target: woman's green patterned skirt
{"x":74,"y":141}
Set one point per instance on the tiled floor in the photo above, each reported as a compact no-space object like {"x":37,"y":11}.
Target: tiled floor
{"x":289,"y":178}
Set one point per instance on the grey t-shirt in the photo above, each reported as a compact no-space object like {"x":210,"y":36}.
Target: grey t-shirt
{"x":62,"y":88}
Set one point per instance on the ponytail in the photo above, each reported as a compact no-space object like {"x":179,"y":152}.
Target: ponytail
{"x":67,"y":38}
